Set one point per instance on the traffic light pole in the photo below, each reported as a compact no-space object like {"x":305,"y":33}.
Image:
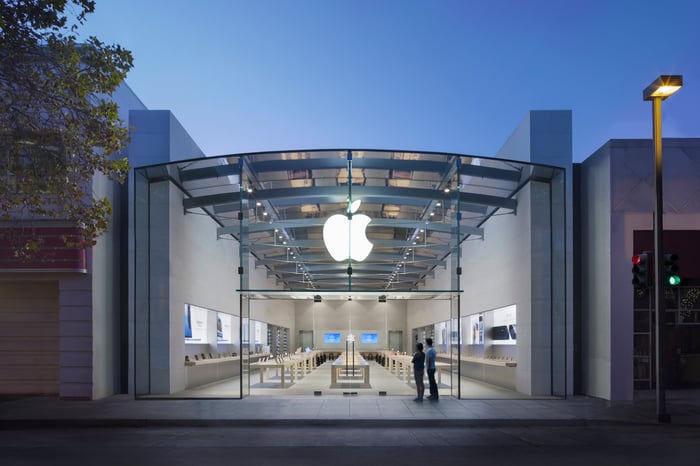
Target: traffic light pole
{"x":659,"y":298}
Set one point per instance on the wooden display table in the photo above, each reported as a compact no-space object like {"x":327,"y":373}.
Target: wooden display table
{"x":440,"y":367}
{"x":349,"y":364}
{"x":295,"y":365}
{"x":402,"y":367}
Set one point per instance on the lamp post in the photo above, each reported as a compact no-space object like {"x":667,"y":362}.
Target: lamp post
{"x":663,"y":87}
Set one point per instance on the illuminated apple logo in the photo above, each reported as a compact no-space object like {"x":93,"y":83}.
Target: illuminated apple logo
{"x":344,"y":235}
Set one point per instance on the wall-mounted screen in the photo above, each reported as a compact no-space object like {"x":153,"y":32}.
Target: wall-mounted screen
{"x":258,"y":332}
{"x":504,"y":326}
{"x":195,"y":324}
{"x":370,"y":338}
{"x":244,"y":328}
{"x":331,"y":337}
{"x":188,"y":322}
{"x":476,"y":329}
{"x":223,"y":327}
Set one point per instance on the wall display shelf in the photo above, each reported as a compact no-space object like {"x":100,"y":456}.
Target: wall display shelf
{"x":503,"y":362}
{"x":278,"y":339}
{"x":493,"y":371}
{"x":203,"y":371}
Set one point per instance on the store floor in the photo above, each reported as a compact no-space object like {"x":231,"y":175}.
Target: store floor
{"x":319,"y":380}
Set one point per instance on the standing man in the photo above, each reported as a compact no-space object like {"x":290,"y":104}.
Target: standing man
{"x":430,"y":367}
{"x":418,"y":367}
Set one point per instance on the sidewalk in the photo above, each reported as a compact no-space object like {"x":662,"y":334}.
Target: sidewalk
{"x":122,"y":410}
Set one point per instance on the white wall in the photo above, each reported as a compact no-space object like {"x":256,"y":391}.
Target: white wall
{"x":353,"y":317}
{"x":420,"y":313}
{"x":277,"y":312}
{"x":545,"y":137}
{"x":496,"y":273}
{"x":203,"y":272}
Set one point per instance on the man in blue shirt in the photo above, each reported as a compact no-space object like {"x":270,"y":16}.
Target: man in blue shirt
{"x":430,"y":367}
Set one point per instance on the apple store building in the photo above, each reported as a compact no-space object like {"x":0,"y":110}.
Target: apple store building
{"x":318,"y":272}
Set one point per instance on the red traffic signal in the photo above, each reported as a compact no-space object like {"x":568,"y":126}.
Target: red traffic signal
{"x":640,"y":270}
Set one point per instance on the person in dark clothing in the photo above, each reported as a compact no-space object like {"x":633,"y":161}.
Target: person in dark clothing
{"x":418,"y":362}
{"x":430,"y":355}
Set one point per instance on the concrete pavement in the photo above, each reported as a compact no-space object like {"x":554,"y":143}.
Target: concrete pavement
{"x":348,"y":430}
{"x":123,"y":410}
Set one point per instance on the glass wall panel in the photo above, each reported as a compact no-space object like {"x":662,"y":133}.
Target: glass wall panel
{"x":245,"y":261}
{"x":245,"y":346}
{"x":455,"y":281}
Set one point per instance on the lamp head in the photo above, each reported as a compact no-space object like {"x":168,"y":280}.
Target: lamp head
{"x":663,"y":87}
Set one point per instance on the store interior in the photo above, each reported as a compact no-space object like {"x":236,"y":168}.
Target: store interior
{"x":487,"y":368}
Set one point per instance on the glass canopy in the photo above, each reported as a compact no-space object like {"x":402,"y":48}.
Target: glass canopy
{"x":420,"y":204}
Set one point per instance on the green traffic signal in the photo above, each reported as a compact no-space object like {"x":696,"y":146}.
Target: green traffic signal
{"x":671,"y":269}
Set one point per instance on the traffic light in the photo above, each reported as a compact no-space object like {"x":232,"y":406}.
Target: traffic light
{"x":671,"y":269}
{"x":640,"y":270}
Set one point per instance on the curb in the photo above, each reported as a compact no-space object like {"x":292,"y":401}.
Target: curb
{"x":9,"y":424}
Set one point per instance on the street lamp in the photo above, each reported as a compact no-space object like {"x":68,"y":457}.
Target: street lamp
{"x":663,"y":87}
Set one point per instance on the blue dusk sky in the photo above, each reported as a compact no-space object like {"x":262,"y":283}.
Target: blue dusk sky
{"x":440,"y":75}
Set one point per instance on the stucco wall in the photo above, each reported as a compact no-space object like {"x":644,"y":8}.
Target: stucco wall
{"x":107,"y":302}
{"x":97,"y":373}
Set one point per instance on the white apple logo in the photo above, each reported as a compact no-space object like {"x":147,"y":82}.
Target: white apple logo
{"x":345,"y":237}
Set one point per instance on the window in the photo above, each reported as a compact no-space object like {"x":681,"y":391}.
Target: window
{"x":31,"y":165}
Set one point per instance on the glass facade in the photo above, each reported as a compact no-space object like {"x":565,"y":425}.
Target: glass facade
{"x":470,"y":247}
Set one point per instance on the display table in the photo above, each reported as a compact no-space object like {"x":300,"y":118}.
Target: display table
{"x":349,"y":364}
{"x":440,"y":367}
{"x":297,"y":364}
{"x":401,"y":365}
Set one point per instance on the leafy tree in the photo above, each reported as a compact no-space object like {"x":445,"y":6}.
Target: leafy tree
{"x":58,"y":124}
